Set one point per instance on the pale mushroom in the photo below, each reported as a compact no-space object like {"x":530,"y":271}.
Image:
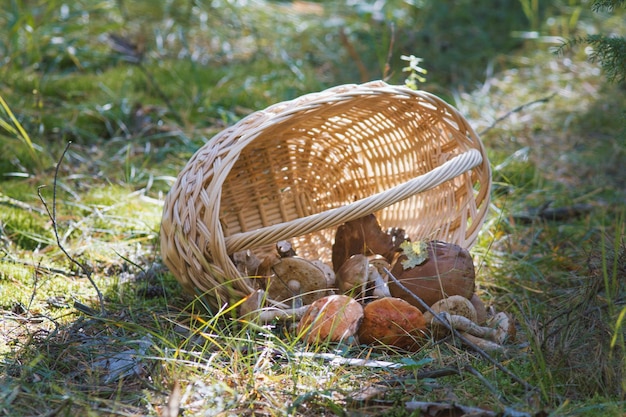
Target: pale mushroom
{"x":376,"y":282}
{"x":459,"y":314}
{"x":392,"y":322}
{"x":246,"y":262}
{"x":504,"y":326}
{"x":352,"y":277}
{"x":455,"y":305}
{"x":328,"y":272}
{"x":285,"y":249}
{"x":481,"y":309}
{"x":456,"y":308}
{"x":500,"y":329}
{"x":252,"y":309}
{"x":484,"y":344}
{"x":334,"y":318}
{"x":297,"y":280}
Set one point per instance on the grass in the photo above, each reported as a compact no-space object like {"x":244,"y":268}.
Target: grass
{"x":136,"y":105}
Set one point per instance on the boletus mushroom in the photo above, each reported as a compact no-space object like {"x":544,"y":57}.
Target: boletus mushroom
{"x":457,"y":308}
{"x":448,"y":270}
{"x":481,"y":309}
{"x":392,"y":322}
{"x":334,"y":318}
{"x":360,"y":279}
{"x":351,"y":278}
{"x":363,"y":236}
{"x":297,"y":280}
{"x":253,"y":309}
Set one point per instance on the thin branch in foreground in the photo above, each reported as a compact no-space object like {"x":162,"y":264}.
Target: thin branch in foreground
{"x":515,"y":110}
{"x":459,"y":336}
{"x":53,"y":217}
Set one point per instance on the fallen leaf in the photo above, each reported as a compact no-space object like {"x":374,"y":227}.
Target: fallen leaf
{"x":415,"y":252}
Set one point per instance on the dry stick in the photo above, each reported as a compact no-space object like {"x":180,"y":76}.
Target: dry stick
{"x":53,"y":218}
{"x":515,"y":110}
{"x":463,"y":339}
{"x":354,"y":55}
{"x":392,"y":41}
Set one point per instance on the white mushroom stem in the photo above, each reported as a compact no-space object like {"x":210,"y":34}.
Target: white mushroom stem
{"x":252,"y":309}
{"x":465,"y":325}
{"x":381,"y":289}
{"x":486,"y":345}
{"x":269,"y":314}
{"x":294,"y":286}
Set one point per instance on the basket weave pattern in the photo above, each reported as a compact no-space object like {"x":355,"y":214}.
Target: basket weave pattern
{"x":298,"y":169}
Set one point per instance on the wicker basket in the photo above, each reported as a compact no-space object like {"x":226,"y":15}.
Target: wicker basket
{"x":300,"y":168}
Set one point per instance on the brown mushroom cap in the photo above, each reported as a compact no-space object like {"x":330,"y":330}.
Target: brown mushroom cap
{"x":327,"y":270}
{"x":290,"y":271}
{"x":454,"y":305}
{"x":352,"y":277}
{"x":333,"y":318}
{"x":449,"y":270}
{"x":481,"y":310}
{"x":392,"y":322}
{"x":362,"y":236}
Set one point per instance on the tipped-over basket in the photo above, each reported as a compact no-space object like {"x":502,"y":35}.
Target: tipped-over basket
{"x":298,"y":169}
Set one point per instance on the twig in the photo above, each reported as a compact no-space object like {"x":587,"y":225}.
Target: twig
{"x":392,"y":41}
{"x":469,"y":368}
{"x":463,"y":339}
{"x":515,"y":110}
{"x":53,"y":218}
{"x":354,"y":55}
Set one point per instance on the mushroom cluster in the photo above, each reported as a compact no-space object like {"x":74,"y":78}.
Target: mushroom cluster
{"x":382,"y":289}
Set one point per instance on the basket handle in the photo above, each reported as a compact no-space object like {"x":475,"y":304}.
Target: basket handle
{"x":333,"y":217}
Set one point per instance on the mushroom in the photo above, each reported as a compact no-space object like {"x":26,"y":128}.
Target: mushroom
{"x":460,"y":314}
{"x":334,"y":318}
{"x":246,"y":262}
{"x":376,"y":283}
{"x":392,"y":322}
{"x":456,"y":308}
{"x":363,"y":236}
{"x":499,"y":330}
{"x":352,"y":277}
{"x":448,"y":270}
{"x":285,"y":249}
{"x":504,"y":327}
{"x":298,"y":280}
{"x":454,"y":305}
{"x":328,"y":272}
{"x":481,"y":310}
{"x":360,"y":279}
{"x":484,"y":344}
{"x":252,"y":309}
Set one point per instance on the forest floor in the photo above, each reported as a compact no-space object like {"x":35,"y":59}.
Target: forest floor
{"x":92,"y":324}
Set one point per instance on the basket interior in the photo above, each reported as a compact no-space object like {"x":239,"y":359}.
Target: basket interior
{"x":333,"y":155}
